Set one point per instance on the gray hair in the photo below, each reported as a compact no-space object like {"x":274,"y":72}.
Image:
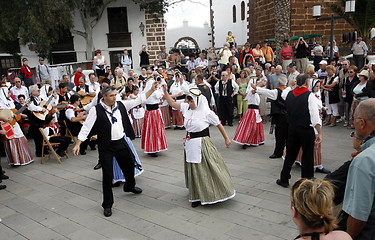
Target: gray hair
{"x":301,"y":79}
{"x":366,"y":109}
{"x":32,"y":88}
{"x":106,"y":89}
{"x":283,"y":81}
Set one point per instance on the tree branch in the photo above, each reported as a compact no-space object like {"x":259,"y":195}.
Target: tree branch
{"x":83,"y":34}
{"x":100,"y":12}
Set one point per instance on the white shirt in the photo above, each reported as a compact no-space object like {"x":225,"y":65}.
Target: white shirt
{"x":94,"y":87}
{"x":117,"y":129}
{"x":34,"y":108}
{"x":69,"y":113}
{"x":126,"y":60}
{"x":194,"y":123}
{"x":157,"y":95}
{"x":234,"y":85}
{"x":313,"y":103}
{"x":18,"y":91}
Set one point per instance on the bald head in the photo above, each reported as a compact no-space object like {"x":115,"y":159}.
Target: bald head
{"x":366,"y":110}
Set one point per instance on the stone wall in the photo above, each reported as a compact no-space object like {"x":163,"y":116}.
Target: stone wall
{"x":155,"y":34}
{"x":262,"y":21}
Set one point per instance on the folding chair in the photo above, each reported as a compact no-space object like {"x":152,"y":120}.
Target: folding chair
{"x":51,"y":148}
{"x":68,"y":133}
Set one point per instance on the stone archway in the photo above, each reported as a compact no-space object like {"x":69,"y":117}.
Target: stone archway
{"x":187,"y":39}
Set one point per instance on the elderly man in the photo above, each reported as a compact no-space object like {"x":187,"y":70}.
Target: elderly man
{"x":359,"y":198}
{"x":273,"y":79}
{"x":110,"y":120}
{"x":359,"y":50}
{"x":94,"y":86}
{"x":322,"y":72}
{"x":292,"y":72}
{"x":226,"y":89}
{"x":66,"y":79}
{"x":18,"y":89}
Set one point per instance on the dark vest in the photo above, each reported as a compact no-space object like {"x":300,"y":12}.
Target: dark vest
{"x":78,"y":88}
{"x":298,"y":109}
{"x":206,"y":92}
{"x":229,"y":88}
{"x":103,"y":126}
{"x":333,"y":95}
{"x":74,"y":127}
{"x":278,"y":106}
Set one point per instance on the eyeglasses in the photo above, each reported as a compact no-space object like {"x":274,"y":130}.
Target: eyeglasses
{"x":17,"y":81}
{"x":344,"y":64}
{"x":350,"y":72}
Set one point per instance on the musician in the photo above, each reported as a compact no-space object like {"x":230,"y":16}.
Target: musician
{"x":51,"y":130}
{"x":16,"y":148}
{"x":36,"y":123}
{"x":94,"y":86}
{"x":24,"y":122}
{"x":2,"y":173}
{"x":82,"y":88}
{"x":112,"y":123}
{"x":18,"y":89}
{"x":75,"y":117}
{"x":63,"y":98}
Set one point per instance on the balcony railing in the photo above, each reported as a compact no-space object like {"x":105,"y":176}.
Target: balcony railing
{"x":121,"y":39}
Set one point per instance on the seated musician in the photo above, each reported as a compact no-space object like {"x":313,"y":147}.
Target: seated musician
{"x":35,"y":122}
{"x":24,"y":122}
{"x":63,"y":98}
{"x":51,"y":130}
{"x":82,"y":89}
{"x":94,"y":86}
{"x":75,"y":117}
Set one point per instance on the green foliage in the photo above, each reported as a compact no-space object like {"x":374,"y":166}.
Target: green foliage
{"x":363,"y":19}
{"x":36,"y":22}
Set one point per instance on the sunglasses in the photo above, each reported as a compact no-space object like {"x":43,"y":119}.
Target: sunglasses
{"x":350,"y":72}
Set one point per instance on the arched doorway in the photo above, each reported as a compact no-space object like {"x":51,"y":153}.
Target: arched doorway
{"x":187,"y":45}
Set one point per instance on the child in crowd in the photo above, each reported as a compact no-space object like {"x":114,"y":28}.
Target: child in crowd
{"x":231,"y":40}
{"x":51,"y":130}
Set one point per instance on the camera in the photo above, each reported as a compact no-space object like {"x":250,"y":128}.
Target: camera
{"x":158,"y":79}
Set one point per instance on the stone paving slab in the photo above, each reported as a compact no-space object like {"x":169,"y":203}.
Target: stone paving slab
{"x":63,"y":201}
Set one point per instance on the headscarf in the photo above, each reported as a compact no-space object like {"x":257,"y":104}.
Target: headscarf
{"x":5,"y":101}
{"x":44,"y":92}
{"x":200,"y":101}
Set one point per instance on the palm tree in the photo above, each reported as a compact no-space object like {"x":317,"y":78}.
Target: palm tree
{"x":282,"y":24}
{"x":362,"y":20}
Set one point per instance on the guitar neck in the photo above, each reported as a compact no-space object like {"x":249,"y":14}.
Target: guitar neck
{"x":23,"y":107}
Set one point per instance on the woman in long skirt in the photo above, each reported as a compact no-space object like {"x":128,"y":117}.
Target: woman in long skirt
{"x":250,"y":130}
{"x":206,"y":175}
{"x":154,"y":137}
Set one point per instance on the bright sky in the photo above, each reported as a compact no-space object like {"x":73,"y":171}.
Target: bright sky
{"x":196,"y":12}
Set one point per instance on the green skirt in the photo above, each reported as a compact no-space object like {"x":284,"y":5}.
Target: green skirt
{"x":209,"y":181}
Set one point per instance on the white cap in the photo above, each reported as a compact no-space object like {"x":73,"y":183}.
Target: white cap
{"x":323,"y":62}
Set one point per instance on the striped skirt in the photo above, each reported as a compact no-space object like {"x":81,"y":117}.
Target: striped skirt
{"x":177,"y":118}
{"x":18,"y":151}
{"x":209,"y":181}
{"x":154,"y":138}
{"x":118,"y":175}
{"x":317,"y":155}
{"x":248,"y":131}
{"x":166,"y":115}
{"x":137,"y":127}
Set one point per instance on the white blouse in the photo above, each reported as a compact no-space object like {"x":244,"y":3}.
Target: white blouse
{"x":195,"y":121}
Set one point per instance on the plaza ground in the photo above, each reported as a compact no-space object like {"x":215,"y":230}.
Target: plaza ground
{"x":63,"y":201}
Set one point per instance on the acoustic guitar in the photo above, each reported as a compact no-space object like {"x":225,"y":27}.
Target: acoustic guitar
{"x":14,"y":115}
{"x":85,"y":99}
{"x":49,"y":109}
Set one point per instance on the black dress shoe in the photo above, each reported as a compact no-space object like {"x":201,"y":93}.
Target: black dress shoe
{"x":153,"y":154}
{"x":135,"y":190}
{"x":322,"y":170}
{"x":98,"y":166}
{"x":4,"y":177}
{"x":61,"y":153}
{"x":82,"y":153}
{"x":230,"y":124}
{"x":107,"y":212}
{"x":116,"y":184}
{"x":195,"y":204}
{"x":93,"y":148}
{"x":244,"y":146}
{"x":2,"y":187}
{"x":283,"y":184}
{"x":274,"y":156}
{"x":3,"y":172}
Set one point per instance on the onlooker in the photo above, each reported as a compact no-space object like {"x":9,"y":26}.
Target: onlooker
{"x":99,"y":63}
{"x":18,"y":89}
{"x":212,"y":57}
{"x":301,"y":54}
{"x":268,"y":53}
{"x":317,"y":52}
{"x":359,"y":195}
{"x":275,"y":77}
{"x":163,"y":57}
{"x":258,"y":54}
{"x":77,"y":76}
{"x":322,"y":72}
{"x":224,"y":54}
{"x":246,"y":54}
{"x":311,"y":205}
{"x":231,"y":40}
{"x":144,"y":55}
{"x":126,"y":61}
{"x":292,"y":72}
{"x":286,"y":55}
{"x":331,"y":93}
{"x":347,"y":94}
{"x":43,"y":73}
{"x":360,"y":50}
{"x":27,"y":73}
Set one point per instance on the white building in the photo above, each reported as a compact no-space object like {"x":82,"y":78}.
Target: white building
{"x":118,"y":28}
{"x":199,"y":35}
{"x":230,"y":16}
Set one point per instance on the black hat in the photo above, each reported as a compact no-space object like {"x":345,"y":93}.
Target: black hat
{"x":292,"y":64}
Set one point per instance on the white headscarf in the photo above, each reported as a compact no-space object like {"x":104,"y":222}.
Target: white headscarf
{"x":5,"y":101}
{"x":200,"y":100}
{"x":44,"y":92}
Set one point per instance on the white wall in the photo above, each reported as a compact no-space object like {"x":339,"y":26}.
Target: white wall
{"x":135,"y":17}
{"x":199,"y":34}
{"x":223,"y":21}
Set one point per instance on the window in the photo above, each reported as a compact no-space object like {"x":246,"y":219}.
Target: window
{"x":243,"y":10}
{"x":234,"y":14}
{"x":117,"y":20}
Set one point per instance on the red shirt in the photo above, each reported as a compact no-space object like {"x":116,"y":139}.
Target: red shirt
{"x":26,"y":71}
{"x":77,"y":75}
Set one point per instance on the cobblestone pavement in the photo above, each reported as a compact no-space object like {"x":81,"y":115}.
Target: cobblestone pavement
{"x":63,"y":201}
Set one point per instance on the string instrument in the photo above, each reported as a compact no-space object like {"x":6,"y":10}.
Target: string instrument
{"x":47,"y":106}
{"x":85,"y":99}
{"x":9,"y":130}
{"x":13,"y":115}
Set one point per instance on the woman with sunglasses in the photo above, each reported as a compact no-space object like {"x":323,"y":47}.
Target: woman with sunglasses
{"x":351,"y":80}
{"x":206,"y":175}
